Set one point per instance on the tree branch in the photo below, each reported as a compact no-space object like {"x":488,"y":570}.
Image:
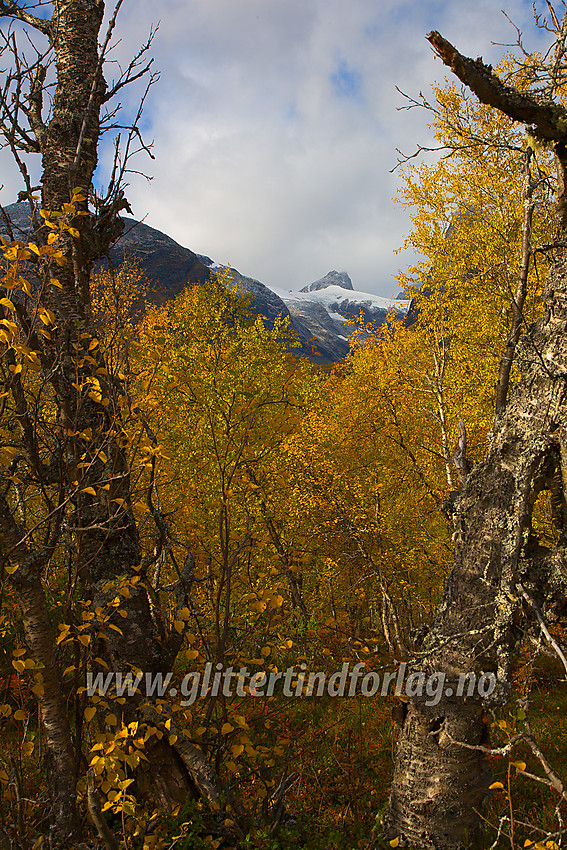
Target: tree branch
{"x":12,"y":10}
{"x":519,"y":299}
{"x":548,"y":119}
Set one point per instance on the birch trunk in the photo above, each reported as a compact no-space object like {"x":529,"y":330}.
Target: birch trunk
{"x":440,"y":782}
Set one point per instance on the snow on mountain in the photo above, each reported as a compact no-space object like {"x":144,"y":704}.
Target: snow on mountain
{"x":338,"y":278}
{"x":324,"y":312}
{"x":319,"y":313}
{"x":334,"y":295}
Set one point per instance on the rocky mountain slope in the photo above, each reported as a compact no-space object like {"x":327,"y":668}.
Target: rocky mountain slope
{"x":319,"y":313}
{"x":340,"y":306}
{"x":333,"y":278}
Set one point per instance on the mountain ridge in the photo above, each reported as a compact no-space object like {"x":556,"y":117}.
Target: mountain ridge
{"x":318,"y":313}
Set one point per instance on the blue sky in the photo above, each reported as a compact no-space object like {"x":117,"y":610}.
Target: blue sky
{"x":275,"y":125}
{"x":347,"y":82}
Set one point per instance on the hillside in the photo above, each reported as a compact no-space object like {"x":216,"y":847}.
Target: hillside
{"x":319,"y":313}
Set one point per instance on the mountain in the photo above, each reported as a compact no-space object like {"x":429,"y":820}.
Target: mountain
{"x":264,"y":299}
{"x":167,"y":265}
{"x":319,"y":314}
{"x":331,"y":279}
{"x":344,"y":305}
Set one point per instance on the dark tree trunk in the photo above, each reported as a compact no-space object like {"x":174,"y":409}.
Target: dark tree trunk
{"x":100,"y":524}
{"x":439,"y":787}
{"x":440,"y":780}
{"x":26,"y":580}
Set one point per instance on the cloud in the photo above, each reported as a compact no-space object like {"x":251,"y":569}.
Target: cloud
{"x":276,"y":125}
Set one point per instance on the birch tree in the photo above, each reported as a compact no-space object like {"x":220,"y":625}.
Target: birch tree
{"x":67,"y":477}
{"x":502,"y":575}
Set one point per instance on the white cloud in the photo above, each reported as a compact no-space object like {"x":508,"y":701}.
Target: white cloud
{"x":275,"y":125}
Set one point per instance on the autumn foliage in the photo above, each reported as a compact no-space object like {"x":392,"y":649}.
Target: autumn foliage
{"x":303,"y":514}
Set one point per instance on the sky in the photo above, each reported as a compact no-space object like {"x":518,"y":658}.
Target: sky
{"x":276,"y":122}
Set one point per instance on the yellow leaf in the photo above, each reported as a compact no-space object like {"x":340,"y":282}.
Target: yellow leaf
{"x":394,"y":842}
{"x":495,"y":786}
{"x":519,"y":765}
{"x":179,"y":625}
{"x":19,"y":666}
{"x":90,"y":490}
{"x":27,"y":748}
{"x":20,"y":715}
{"x":227,"y":729}
{"x":47,"y":316}
{"x":90,"y":713}
{"x":7,"y":454}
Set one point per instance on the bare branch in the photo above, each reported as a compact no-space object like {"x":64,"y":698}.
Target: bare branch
{"x":12,"y":10}
{"x":131,"y":73}
{"x":549,"y":119}
{"x":521,"y":288}
{"x":543,"y":626}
